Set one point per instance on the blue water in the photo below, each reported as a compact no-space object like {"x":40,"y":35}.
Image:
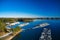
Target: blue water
{"x":34,"y":34}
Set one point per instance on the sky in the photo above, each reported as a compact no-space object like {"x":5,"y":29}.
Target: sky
{"x":29,"y":8}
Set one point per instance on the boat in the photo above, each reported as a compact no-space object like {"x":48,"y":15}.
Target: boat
{"x":24,"y":24}
{"x":46,"y":34}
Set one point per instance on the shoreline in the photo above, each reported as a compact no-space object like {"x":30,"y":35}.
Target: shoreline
{"x":12,"y":36}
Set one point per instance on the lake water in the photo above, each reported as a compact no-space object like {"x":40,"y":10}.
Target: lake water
{"x":34,"y":34}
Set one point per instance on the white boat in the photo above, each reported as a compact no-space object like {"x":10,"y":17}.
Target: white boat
{"x":24,"y":24}
{"x":44,"y":24}
{"x":15,"y":23}
{"x":46,"y":34}
{"x":41,"y":25}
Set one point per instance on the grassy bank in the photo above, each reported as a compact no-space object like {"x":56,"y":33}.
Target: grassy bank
{"x":13,"y":35}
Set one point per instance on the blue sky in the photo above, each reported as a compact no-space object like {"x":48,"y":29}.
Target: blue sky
{"x":29,"y":8}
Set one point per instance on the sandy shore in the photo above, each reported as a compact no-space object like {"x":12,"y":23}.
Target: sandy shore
{"x":12,"y":36}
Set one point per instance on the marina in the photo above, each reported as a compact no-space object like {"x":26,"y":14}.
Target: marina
{"x":35,"y":34}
